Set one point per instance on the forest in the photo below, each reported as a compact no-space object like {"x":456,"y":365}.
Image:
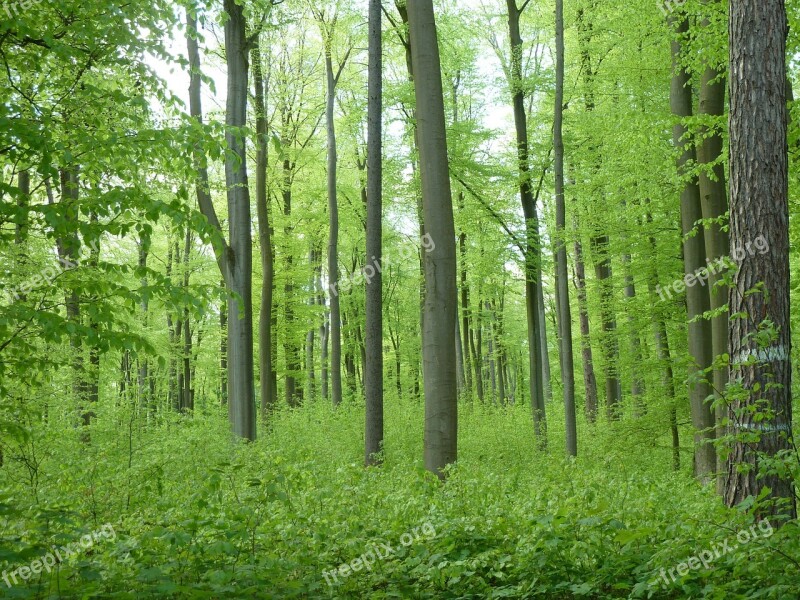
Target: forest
{"x":399,"y":299}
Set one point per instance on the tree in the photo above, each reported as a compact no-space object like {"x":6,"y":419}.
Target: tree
{"x":533,"y":267}
{"x":373,"y":375}
{"x":562,"y":278}
{"x":714,"y":207}
{"x":697,"y":297}
{"x":439,"y":367}
{"x":759,"y":339}
{"x":235,"y":260}
{"x":331,"y":80}
{"x":266,"y":358}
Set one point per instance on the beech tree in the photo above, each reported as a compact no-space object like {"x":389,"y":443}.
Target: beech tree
{"x":373,"y":374}
{"x":439,"y":367}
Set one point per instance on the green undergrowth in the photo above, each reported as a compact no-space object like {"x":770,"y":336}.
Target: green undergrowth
{"x":196,"y":516}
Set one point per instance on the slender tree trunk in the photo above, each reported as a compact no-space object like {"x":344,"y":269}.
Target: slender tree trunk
{"x":441,"y":414}
{"x":637,"y":385}
{"x":697,"y":298}
{"x":545,"y":349}
{"x":533,"y":269}
{"x":68,"y":252}
{"x":759,"y":211}
{"x":373,"y":375}
{"x":315,"y":260}
{"x":599,"y":245}
{"x":187,"y":393}
{"x":587,"y":361}
{"x":714,"y":205}
{"x":562,"y":278}
{"x":465,"y":313}
{"x":23,"y":203}
{"x":266,"y":359}
{"x":223,"y":350}
{"x":663,"y":353}
{"x":144,"y":398}
{"x":333,"y":239}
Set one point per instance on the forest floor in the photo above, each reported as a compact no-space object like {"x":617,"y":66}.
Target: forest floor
{"x":179,"y":511}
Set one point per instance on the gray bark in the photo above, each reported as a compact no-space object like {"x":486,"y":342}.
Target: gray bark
{"x":441,"y":414}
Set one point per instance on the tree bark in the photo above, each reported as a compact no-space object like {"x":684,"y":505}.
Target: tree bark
{"x":234,"y":256}
{"x":587,"y":361}
{"x":333,"y":215}
{"x":562,"y":279}
{"x":266,"y":359}
{"x":533,"y":269}
{"x":761,"y":417}
{"x":241,"y":405}
{"x":439,"y":369}
{"x":373,"y":374}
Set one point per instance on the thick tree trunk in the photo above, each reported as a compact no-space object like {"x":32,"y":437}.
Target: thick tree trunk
{"x":761,"y":417}
{"x":441,"y":407}
{"x":697,"y":297}
{"x":562,"y":278}
{"x":533,"y":269}
{"x":373,"y":374}
{"x":241,"y":404}
{"x":234,"y":256}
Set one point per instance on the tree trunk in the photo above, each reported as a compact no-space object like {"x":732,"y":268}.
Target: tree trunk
{"x":439,"y":369}
{"x":533,"y":269}
{"x":241,"y":404}
{"x":562,"y":279}
{"x":333,"y":239}
{"x":587,"y":361}
{"x":68,"y":252}
{"x":187,"y":393}
{"x":234,"y":256}
{"x":223,"y":350}
{"x":637,"y":385}
{"x":761,"y":417}
{"x":373,"y":374}
{"x":266,"y":358}
{"x":697,"y":298}
{"x":714,"y":205}
{"x":144,"y":398}
{"x":598,"y":244}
